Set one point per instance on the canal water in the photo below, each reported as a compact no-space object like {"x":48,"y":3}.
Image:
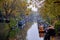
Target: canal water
{"x":32,"y":33}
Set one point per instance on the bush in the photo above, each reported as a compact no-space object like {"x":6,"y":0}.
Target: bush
{"x":57,"y":27}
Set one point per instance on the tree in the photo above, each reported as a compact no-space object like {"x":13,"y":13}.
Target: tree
{"x":11,"y":9}
{"x":50,"y":10}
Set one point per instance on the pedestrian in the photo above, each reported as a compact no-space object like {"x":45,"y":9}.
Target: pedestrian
{"x":41,"y":31}
{"x":50,"y":34}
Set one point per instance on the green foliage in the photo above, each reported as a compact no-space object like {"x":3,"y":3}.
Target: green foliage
{"x":4,"y":29}
{"x":14,"y":8}
{"x":0,"y":0}
{"x":13,"y":33}
{"x":12,"y":22}
{"x":50,"y":10}
{"x":57,"y":25}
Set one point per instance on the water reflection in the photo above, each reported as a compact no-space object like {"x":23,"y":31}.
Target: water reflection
{"x":32,"y":33}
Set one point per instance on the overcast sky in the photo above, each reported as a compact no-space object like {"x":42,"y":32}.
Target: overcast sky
{"x":34,"y":4}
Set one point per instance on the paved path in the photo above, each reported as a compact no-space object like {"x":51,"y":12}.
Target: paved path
{"x":57,"y":38}
{"x":33,"y":33}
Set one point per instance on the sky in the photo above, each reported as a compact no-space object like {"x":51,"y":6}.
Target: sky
{"x":37,"y":3}
{"x":33,"y":8}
